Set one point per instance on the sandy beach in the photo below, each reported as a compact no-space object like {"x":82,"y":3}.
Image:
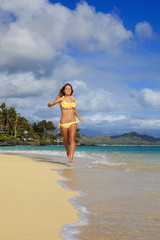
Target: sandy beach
{"x":32,"y":204}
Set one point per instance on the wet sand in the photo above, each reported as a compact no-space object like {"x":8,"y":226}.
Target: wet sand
{"x":122,"y":205}
{"x":32,"y":204}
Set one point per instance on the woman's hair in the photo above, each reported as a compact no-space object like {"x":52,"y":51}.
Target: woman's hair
{"x":61,"y":91}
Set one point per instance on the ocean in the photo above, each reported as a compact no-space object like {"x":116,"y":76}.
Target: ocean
{"x":119,"y":189}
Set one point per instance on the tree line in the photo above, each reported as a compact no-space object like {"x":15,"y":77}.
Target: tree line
{"x":13,"y":125}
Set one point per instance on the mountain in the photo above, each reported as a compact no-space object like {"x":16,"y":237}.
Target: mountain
{"x":131,"y":138}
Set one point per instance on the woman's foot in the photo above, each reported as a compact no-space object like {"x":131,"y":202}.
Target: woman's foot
{"x":70,"y":160}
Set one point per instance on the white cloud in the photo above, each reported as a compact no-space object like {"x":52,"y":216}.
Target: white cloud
{"x":22,"y":105}
{"x":101,"y":117}
{"x":97,"y":31}
{"x":144,"y":30}
{"x":29,"y":84}
{"x":145,"y":124}
{"x":66,"y":70}
{"x":27,"y":91}
{"x":96,"y":100}
{"x":79,"y":84}
{"x":150,"y":98}
{"x":37,"y":33}
{"x":19,"y":85}
{"x":18,"y":6}
{"x":40,"y":31}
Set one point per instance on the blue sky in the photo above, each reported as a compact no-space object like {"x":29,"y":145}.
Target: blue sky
{"x":109,"y":51}
{"x":130,"y":12}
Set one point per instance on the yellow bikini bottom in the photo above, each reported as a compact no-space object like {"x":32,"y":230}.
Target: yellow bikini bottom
{"x":66,"y":125}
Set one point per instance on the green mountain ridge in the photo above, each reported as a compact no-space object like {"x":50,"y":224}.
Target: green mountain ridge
{"x":131,"y":138}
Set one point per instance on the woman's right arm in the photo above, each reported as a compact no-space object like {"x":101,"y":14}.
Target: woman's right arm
{"x":52,"y":103}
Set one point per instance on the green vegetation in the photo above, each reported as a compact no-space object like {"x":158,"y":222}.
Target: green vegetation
{"x":131,"y":138}
{"x":15,"y":127}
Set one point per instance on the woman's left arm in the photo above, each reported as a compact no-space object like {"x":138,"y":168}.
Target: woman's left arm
{"x":76,"y":113}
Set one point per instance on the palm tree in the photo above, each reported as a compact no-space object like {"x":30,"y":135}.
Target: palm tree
{"x":13,"y":120}
{"x":42,"y":127}
{"x":4,"y":117}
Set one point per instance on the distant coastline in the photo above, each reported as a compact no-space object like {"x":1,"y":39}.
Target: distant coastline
{"x":127,"y":139}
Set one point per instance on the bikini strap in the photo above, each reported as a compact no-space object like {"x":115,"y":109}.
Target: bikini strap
{"x":73,"y":98}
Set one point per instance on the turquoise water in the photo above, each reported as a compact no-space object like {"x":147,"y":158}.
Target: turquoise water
{"x":119,"y":185}
{"x":129,"y":149}
{"x":124,"y":157}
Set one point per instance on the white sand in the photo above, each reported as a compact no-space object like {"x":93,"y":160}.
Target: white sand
{"x":32,"y":204}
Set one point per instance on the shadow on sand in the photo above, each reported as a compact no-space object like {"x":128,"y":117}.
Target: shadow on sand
{"x":54,"y":162}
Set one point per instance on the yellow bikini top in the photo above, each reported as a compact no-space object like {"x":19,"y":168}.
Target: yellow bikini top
{"x":67,"y":105}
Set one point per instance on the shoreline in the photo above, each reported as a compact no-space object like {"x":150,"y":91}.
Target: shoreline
{"x":33,"y":204}
{"x":61,"y":144}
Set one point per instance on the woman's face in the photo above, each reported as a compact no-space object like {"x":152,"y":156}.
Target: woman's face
{"x":67,"y":91}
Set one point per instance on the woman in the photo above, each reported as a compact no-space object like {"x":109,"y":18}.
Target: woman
{"x":68,"y":122}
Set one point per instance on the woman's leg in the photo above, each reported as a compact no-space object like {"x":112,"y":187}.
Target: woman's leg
{"x":65,"y":134}
{"x":72,"y":133}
